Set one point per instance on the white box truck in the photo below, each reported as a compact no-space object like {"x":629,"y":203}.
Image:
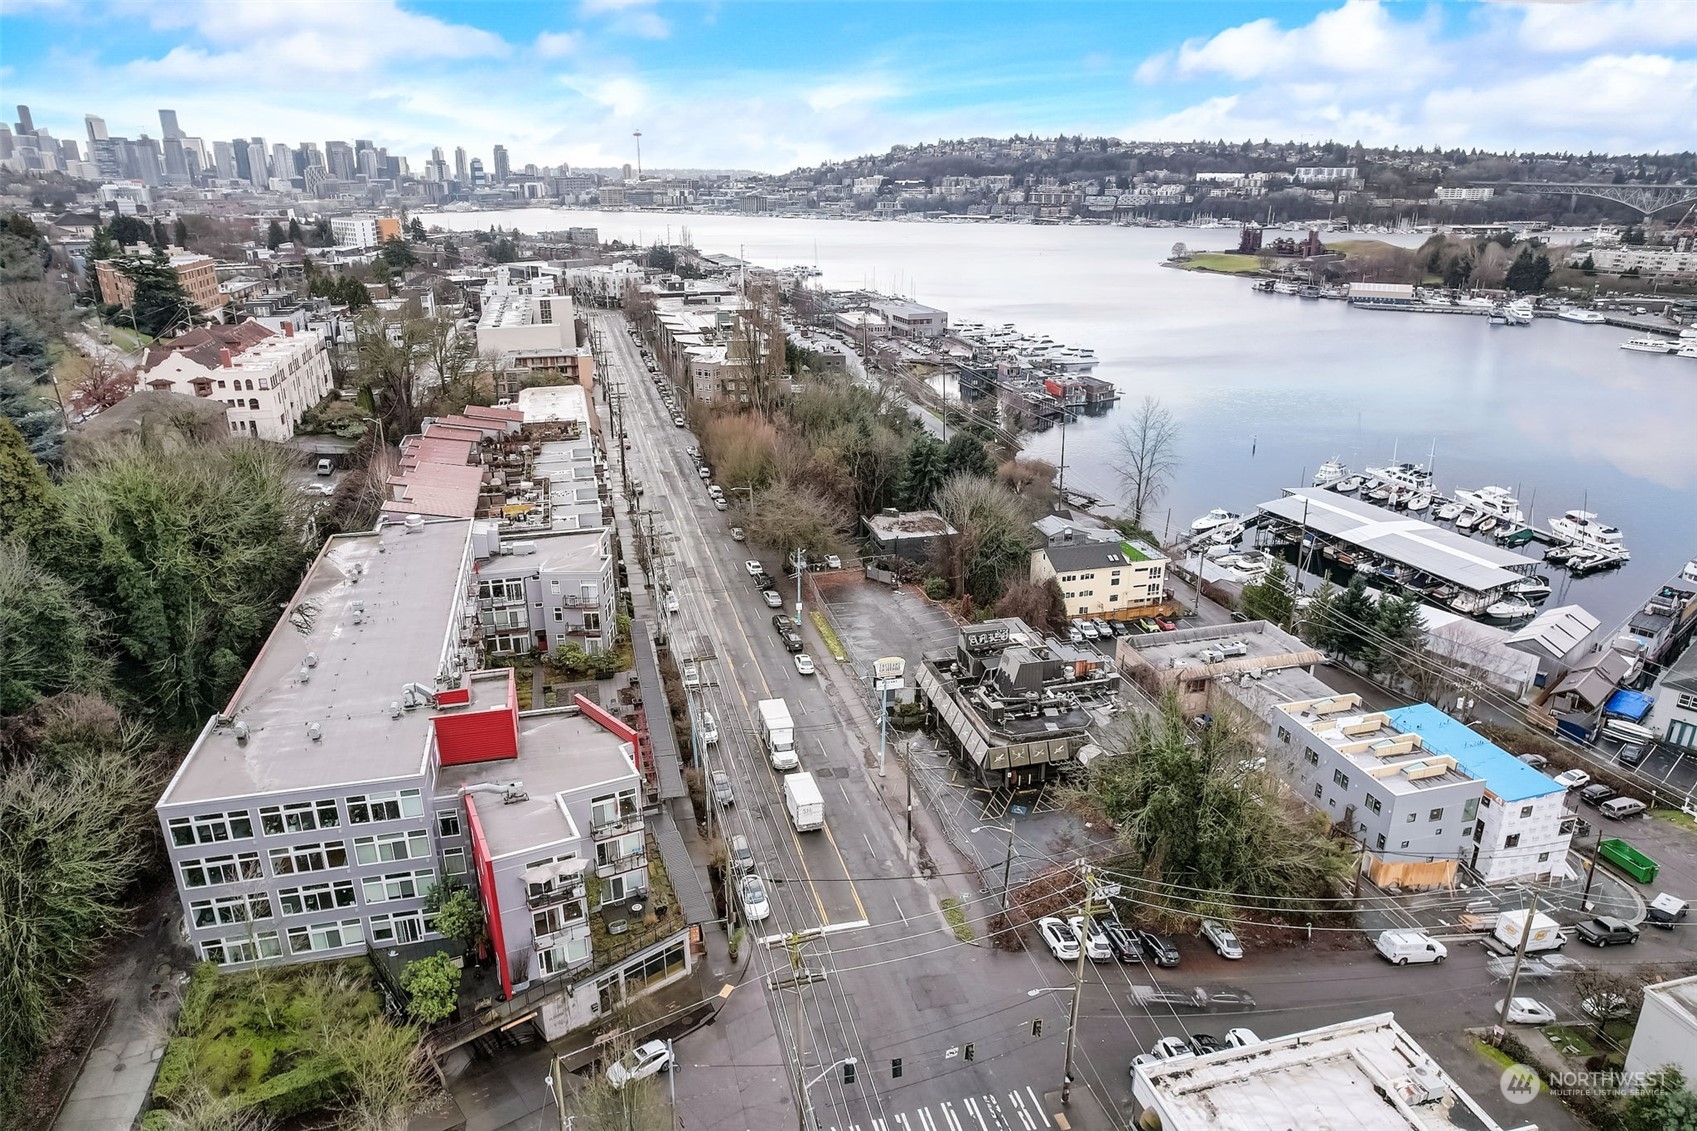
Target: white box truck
{"x":1546,"y":932}
{"x":804,"y":801}
{"x":777,"y":733}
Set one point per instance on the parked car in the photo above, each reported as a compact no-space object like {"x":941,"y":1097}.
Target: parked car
{"x":742,"y":857}
{"x":1526,"y":1011}
{"x":1572,"y":779}
{"x":1159,"y":948}
{"x":773,"y":601}
{"x":1090,"y":936}
{"x":1536,"y":761}
{"x":1204,"y":1043}
{"x":737,"y":534}
{"x":1596,"y":794}
{"x":1633,"y":753}
{"x":719,"y":503}
{"x":1084,"y":626}
{"x":643,"y":1061}
{"x":691,"y":674}
{"x":721,"y":786}
{"x":754,"y":905}
{"x":1172,"y":1048}
{"x":1122,"y":940}
{"x":1606,"y":1006}
{"x":1075,"y":634}
{"x":1167,"y":624}
{"x":1621,"y":808}
{"x":1147,"y":625}
{"x":1241,"y":1038}
{"x":1221,"y":938}
{"x":1402,"y":947}
{"x":754,"y":568}
{"x":1606,"y":930}
{"x":763,"y":580}
{"x":709,"y":728}
{"x":832,"y":561}
{"x":1058,"y":937}
{"x":672,"y":604}
{"x":804,"y":663}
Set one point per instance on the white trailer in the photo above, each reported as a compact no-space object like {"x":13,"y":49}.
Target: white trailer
{"x":777,"y":733}
{"x":805,"y":803}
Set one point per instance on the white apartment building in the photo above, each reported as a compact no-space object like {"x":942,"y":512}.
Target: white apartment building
{"x":1312,"y":174}
{"x":1666,"y":1032}
{"x":1647,"y":260}
{"x":1454,"y":194}
{"x":266,"y":380}
{"x":532,"y":326}
{"x":1113,"y":579}
{"x":363,"y":229}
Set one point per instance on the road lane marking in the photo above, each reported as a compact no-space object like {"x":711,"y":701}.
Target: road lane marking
{"x":1038,"y":1107}
{"x":948,"y":1113}
{"x":925,"y":1119}
{"x":853,"y":891}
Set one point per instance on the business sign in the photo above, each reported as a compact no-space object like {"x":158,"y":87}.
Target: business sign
{"x":890,"y":667}
{"x":984,"y":636}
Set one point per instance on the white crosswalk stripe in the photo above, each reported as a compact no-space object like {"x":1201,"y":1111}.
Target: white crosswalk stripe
{"x":1018,"y":1109}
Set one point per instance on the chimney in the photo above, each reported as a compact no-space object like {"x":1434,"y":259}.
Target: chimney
{"x":224,"y":358}
{"x":288,"y":329}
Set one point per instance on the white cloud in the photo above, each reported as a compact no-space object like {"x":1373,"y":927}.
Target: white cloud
{"x":1358,"y":38}
{"x":852,"y":92}
{"x":629,"y":17}
{"x":1579,"y":27}
{"x":554,"y":44}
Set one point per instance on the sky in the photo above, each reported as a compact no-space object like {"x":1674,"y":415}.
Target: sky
{"x":774,"y":85}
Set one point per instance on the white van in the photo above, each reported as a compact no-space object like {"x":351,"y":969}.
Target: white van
{"x":1621,"y":808}
{"x":326,"y":467}
{"x":1403,"y":947}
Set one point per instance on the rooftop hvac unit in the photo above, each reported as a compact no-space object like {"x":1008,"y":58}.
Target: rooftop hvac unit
{"x":414,"y":523}
{"x":314,"y":731}
{"x":241,"y":732}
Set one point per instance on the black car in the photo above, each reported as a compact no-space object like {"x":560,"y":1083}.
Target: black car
{"x":782,"y":622}
{"x":1122,"y":940}
{"x":1225,"y":999}
{"x":763,"y":580}
{"x":1204,"y":1043}
{"x":1159,"y":948}
{"x":1595,"y":795}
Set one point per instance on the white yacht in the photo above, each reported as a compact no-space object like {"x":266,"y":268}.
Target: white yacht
{"x":1649,"y":345}
{"x":1495,"y":501}
{"x":1533,"y":588}
{"x":1219,"y":516}
{"x":1687,"y":350}
{"x":1331,"y":472}
{"x":1419,"y":502}
{"x":1350,"y":485}
{"x":1519,"y":312}
{"x":1575,"y":314}
{"x":1226,"y":533}
{"x":1414,"y":476}
{"x":1510,"y":608}
{"x":1581,"y":529}
{"x":1449,"y":512}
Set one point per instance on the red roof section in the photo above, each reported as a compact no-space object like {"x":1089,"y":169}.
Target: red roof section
{"x":205,"y":346}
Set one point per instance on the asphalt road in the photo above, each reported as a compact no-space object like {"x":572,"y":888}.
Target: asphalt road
{"x":885,"y":977}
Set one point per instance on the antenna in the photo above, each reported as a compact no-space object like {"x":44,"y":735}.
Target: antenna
{"x":638,"y":136}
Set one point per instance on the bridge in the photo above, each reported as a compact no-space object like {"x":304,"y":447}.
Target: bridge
{"x":1646,"y":199}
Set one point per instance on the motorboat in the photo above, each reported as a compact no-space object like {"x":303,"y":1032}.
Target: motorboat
{"x":1411,"y":475}
{"x":1226,"y":533}
{"x":1418,"y":502}
{"x":1330,"y":473}
{"x":1449,"y":512}
{"x":1496,"y":501}
{"x":1575,"y":314}
{"x":1487,"y":523}
{"x":1510,"y":608}
{"x":1349,"y":485}
{"x":1558,"y":555}
{"x":1687,"y":350}
{"x":1650,"y":345}
{"x":1582,"y":529}
{"x":1499,"y":316}
{"x":1219,"y":516}
{"x":1534,"y":588}
{"x":1381,"y":493}
{"x":1519,"y":312}
{"x":1468,"y":520}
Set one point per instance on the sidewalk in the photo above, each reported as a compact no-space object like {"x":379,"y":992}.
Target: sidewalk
{"x":1085,"y":1113}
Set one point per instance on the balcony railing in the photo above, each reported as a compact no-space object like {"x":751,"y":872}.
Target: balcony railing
{"x":535,"y":899}
{"x":628,"y":822}
{"x":620,"y":864}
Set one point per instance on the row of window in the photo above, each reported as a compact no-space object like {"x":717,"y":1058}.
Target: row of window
{"x":400,"y":927}
{"x":303,"y":816}
{"x":243,"y":867}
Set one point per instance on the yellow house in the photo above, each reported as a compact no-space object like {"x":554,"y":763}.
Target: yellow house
{"x":1112,"y":580}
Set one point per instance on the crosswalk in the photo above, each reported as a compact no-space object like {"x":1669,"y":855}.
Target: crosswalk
{"x":1020,"y":1110}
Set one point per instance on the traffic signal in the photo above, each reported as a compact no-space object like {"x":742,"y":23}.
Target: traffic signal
{"x":848,"y":1071}
{"x":967,"y":1052}
{"x":895,"y":1068}
{"x":1037,"y":1027}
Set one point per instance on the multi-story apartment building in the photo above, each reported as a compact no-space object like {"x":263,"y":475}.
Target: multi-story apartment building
{"x":1113,"y":579}
{"x":531,"y":325}
{"x":198,"y":275}
{"x":366,"y":758}
{"x":267,"y":380}
{"x":364,"y":230}
{"x":539,"y":590}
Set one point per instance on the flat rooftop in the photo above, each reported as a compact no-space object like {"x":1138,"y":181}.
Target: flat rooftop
{"x":560,"y":752}
{"x":1396,"y":759}
{"x":554,"y":403}
{"x":1356,"y":1076}
{"x":1444,"y":554}
{"x":908,"y":524}
{"x":378,"y":610}
{"x":1503,"y":774}
{"x":1264,"y":644}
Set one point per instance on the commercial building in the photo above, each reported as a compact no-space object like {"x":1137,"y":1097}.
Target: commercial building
{"x":1365,"y":1075}
{"x":1645,"y":259}
{"x":532,"y":326}
{"x":1674,"y":717}
{"x":1010,"y":704}
{"x":198,"y":275}
{"x":1666,"y":1032}
{"x":1114,"y":580}
{"x":1450,"y":195}
{"x":913,"y":320}
{"x":1248,"y":664}
{"x":910,"y":535}
{"x":364,"y":230}
{"x":368,"y":756}
{"x":267,"y":380}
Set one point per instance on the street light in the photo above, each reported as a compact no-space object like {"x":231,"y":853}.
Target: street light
{"x":1007,"y":861}
{"x":812,"y":1124}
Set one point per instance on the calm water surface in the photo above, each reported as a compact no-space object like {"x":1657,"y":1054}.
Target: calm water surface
{"x":1267,"y":387}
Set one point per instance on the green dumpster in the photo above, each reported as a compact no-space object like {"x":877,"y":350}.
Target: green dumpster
{"x":1629,"y":860}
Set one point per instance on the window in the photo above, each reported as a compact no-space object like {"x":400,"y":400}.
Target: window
{"x":366,"y":808}
{"x":1688,"y":702}
{"x":592,"y":622}
{"x":1374,"y":804}
{"x":1543,"y":857}
{"x":1484,"y":803}
{"x":1310,"y":755}
{"x":552,"y":920}
{"x":325,"y":936}
{"x":1525,"y":811}
{"x":392,"y":846}
{"x":316,"y":897}
{"x":1340,"y":779}
{"x":230,"y":909}
{"x":1316,"y":791}
{"x":1435,"y":815}
{"x":511,"y":643}
{"x":617,"y":889}
{"x":501,"y":589}
{"x":309,"y":858}
{"x":612,"y":808}
{"x":253,"y":403}
{"x":222,"y":870}
{"x":453,"y":861}
{"x":1405,"y":844}
{"x":563,"y":955}
{"x":622,"y":850}
{"x":655,"y":968}
{"x":1512,"y":840}
{"x":1471,"y":809}
{"x":401,"y":927}
{"x":1284,"y":736}
{"x":1379,"y":841}
{"x":397,"y":885}
{"x":211,"y":828}
{"x":301,"y":817}
{"x":241,"y":948}
{"x":1567,"y":827}
{"x":447,"y":822}
{"x":1412,"y":817}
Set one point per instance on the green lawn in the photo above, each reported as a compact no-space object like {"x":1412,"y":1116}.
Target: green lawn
{"x":1494,"y":1054}
{"x":1220,"y":261}
{"x":1675,"y":817}
{"x":125,"y":338}
{"x":1563,"y":1037}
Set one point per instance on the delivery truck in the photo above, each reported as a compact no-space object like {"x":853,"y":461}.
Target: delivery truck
{"x":777,"y":734}
{"x":804,"y":802}
{"x":1546,"y":932}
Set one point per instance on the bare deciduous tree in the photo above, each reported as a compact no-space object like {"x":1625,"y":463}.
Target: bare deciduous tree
{"x":1145,"y":456}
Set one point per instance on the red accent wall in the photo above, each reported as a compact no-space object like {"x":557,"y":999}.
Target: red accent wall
{"x":613,"y":726}
{"x":486,"y":887}
{"x":453,"y":697}
{"x":480,"y":734}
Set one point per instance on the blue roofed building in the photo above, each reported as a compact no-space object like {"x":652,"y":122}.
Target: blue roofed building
{"x":1524,"y":827}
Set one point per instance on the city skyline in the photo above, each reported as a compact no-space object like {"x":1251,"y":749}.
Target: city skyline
{"x":1608,"y":76}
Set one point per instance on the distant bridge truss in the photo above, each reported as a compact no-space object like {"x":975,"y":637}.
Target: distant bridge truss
{"x":1646,"y":199}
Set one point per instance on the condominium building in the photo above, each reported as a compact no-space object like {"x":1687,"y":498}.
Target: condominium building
{"x":1115,"y":579}
{"x":532,"y":326}
{"x":198,"y":275}
{"x":268,"y":380}
{"x":364,"y":230}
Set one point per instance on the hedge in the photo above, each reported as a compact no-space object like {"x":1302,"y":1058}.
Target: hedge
{"x":310,"y":1087}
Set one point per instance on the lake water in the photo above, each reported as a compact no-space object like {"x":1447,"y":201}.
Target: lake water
{"x":1267,"y":387}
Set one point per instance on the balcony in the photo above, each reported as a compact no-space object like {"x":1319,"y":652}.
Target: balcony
{"x":621,"y":864}
{"x":539,"y":896}
{"x":626,"y":822}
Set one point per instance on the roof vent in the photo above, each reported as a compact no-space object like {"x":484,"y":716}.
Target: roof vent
{"x":241,"y":732}
{"x":314,"y":731}
{"x":305,"y":674}
{"x":312,"y":659}
{"x":394,"y":708}
{"x":414,"y":523}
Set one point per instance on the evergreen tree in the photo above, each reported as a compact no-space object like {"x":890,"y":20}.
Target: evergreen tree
{"x":295,"y":233}
{"x":25,"y":493}
{"x":159,"y":240}
{"x":398,"y":254}
{"x":415,"y":229}
{"x":159,"y":301}
{"x":274,"y":236}
{"x":965,"y":453}
{"x":1272,"y":599}
{"x":1352,"y":619}
{"x":102,"y":246}
{"x":1403,"y":629}
{"x":1528,"y":273}
{"x":926,"y":471}
{"x":37,"y":423}
{"x":127,"y":231}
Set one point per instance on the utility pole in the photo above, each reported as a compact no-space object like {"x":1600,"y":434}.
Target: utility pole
{"x":1591,"y":874}
{"x":1007,"y":861}
{"x":1519,"y":957}
{"x":1077,"y":984}
{"x":800,"y":562}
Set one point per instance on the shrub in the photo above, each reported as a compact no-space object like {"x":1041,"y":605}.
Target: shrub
{"x":312,"y":1086}
{"x":936,"y":588}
